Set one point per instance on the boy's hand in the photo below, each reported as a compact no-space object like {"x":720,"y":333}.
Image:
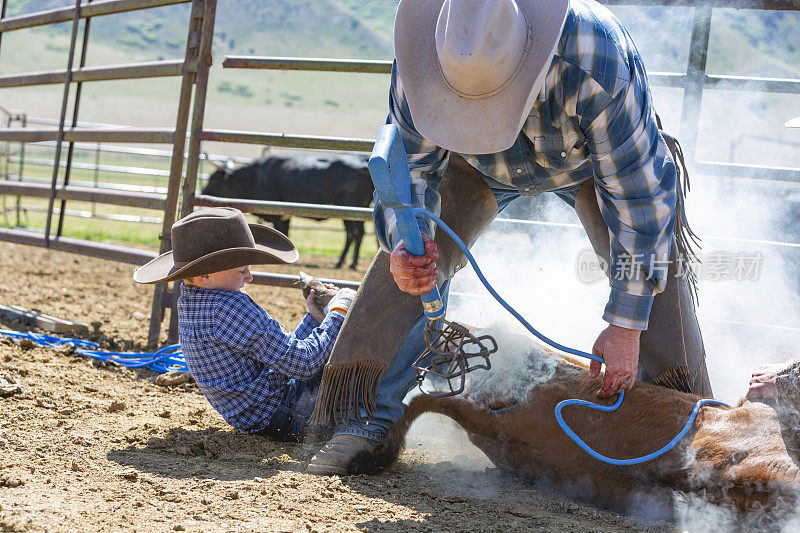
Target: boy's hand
{"x":314,"y":309}
{"x":324,"y":291}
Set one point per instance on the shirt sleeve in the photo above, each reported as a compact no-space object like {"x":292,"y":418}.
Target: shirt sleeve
{"x":305,"y":327}
{"x":635,"y":183}
{"x":248,"y":329}
{"x":426,"y":162}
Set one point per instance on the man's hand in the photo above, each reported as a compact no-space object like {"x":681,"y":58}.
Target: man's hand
{"x":762,"y":381}
{"x":415,"y":274}
{"x":619,"y":347}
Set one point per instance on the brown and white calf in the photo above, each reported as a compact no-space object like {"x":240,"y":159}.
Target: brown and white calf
{"x":743,"y":457}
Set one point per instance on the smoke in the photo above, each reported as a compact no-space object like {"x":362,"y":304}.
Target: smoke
{"x":745,"y":322}
{"x":694,"y":514}
{"x":749,"y":309}
{"x":522,"y":366}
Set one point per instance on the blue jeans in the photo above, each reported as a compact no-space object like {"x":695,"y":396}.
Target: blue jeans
{"x":400,"y":376}
{"x":290,"y":420}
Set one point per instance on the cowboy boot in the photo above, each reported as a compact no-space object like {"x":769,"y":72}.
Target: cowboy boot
{"x":671,"y":352}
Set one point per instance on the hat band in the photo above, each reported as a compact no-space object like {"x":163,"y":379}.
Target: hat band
{"x":525,"y":50}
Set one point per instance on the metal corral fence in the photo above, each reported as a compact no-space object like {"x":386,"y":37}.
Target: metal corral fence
{"x":179,"y":198}
{"x":142,"y":165}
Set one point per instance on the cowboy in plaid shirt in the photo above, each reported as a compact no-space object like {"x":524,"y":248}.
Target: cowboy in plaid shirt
{"x":525,"y":97}
{"x":592,"y":120}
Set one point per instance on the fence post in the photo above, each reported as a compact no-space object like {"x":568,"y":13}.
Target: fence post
{"x":695,"y":79}
{"x":193,"y":43}
{"x":96,"y":174}
{"x":193,"y":162}
{"x":57,"y":162}
{"x":75,"y":108}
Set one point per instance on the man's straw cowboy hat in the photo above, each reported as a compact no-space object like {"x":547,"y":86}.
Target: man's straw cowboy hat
{"x":471,"y":69}
{"x":794,"y":123}
{"x":215,"y":239}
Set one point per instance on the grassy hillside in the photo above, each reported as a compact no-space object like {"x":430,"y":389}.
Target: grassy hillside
{"x":277,"y":27}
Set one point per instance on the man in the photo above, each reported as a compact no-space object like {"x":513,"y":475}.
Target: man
{"x":552,"y":96}
{"x":776,"y":380}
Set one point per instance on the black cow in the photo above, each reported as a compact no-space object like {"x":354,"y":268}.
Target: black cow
{"x":311,"y":179}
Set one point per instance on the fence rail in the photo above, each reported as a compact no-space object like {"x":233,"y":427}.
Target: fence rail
{"x":126,"y":135}
{"x":260,"y":207}
{"x":285,"y":140}
{"x":86,"y":10}
{"x":141,"y":200}
{"x":147,"y":69}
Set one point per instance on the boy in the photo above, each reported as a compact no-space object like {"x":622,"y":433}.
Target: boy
{"x":251,"y":370}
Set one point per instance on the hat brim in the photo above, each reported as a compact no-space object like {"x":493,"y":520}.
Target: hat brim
{"x":466,"y":125}
{"x":272,"y":247}
{"x":794,"y":123}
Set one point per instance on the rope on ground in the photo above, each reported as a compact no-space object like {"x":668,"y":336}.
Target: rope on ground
{"x":167,"y":359}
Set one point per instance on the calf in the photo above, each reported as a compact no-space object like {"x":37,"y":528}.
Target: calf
{"x":311,"y":179}
{"x":743,"y":457}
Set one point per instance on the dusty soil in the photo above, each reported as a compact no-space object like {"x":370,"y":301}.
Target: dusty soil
{"x":87,"y":447}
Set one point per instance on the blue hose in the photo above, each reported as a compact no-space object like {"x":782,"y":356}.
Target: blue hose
{"x":611,"y":408}
{"x":167,"y":359}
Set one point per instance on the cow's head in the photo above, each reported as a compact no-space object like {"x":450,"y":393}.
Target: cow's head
{"x":219,"y":180}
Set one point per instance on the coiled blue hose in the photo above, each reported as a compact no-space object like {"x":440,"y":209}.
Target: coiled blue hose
{"x":610,"y":408}
{"x":167,"y":359}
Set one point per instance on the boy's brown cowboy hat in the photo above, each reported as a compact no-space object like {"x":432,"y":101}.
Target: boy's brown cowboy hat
{"x":215,"y":239}
{"x":471,"y":69}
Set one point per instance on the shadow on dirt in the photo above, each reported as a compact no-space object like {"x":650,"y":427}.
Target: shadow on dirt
{"x":213,"y":453}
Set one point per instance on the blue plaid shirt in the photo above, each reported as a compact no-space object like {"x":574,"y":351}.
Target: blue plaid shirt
{"x":594,"y":118}
{"x":241,"y":358}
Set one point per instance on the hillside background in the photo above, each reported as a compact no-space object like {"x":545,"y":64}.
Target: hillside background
{"x":743,"y":42}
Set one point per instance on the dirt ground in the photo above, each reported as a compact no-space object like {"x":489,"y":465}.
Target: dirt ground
{"x":102,"y":448}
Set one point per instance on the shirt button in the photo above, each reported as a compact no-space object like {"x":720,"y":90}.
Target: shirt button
{"x":563,"y":154}
{"x":519,"y":171}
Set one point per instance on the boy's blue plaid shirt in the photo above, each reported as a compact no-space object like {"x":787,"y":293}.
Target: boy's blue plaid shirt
{"x":593,"y":118}
{"x":242,"y":358}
